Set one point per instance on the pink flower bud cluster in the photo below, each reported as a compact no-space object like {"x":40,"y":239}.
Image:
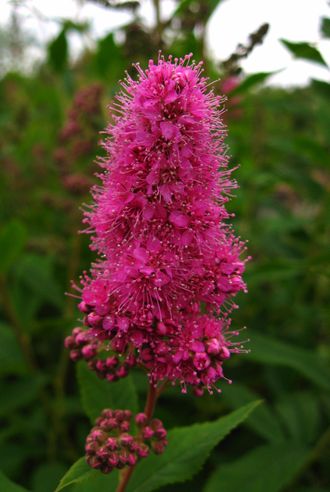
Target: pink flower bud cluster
{"x":169,"y":263}
{"x":110,"y":445}
{"x":86,"y":345}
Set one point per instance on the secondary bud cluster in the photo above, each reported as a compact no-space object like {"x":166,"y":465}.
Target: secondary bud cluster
{"x":96,"y":351}
{"x":110,"y":444}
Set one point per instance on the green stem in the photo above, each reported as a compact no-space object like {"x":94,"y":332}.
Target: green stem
{"x":149,"y":408}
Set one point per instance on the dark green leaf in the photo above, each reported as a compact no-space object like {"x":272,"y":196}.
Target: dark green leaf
{"x":58,"y":52}
{"x":97,"y":394}
{"x":7,"y":485}
{"x":304,"y":51}
{"x":268,"y":468}
{"x":12,"y":242}
{"x":11,"y":358}
{"x":300,"y":414}
{"x":263,"y":420}
{"x":37,"y":274}
{"x":325,"y":27}
{"x":187,"y":450}
{"x":268,"y":350}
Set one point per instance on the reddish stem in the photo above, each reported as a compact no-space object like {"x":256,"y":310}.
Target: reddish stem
{"x":148,"y":410}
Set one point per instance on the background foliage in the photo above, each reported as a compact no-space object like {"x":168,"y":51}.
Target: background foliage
{"x":49,"y":124}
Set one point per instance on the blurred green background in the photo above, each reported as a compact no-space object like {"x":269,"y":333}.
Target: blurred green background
{"x":50,"y":121}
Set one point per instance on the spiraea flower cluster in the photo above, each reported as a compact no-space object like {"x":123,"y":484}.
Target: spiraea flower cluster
{"x":111,"y":445}
{"x":169,"y":266}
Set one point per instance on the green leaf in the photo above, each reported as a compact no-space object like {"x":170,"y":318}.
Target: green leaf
{"x":300,"y":413}
{"x":11,"y":358}
{"x":187,"y":451}
{"x":12,"y":242}
{"x":304,"y":51}
{"x":263,"y":420}
{"x":58,"y":52}
{"x":80,"y":478}
{"x":20,"y":393}
{"x":37,"y":274}
{"x":47,"y":476}
{"x":269,"y":467}
{"x":251,"y":81}
{"x":97,"y":394}
{"x":77,"y":473}
{"x":267,"y":350}
{"x":325,"y":27}
{"x":7,"y":485}
{"x":109,"y":57}
{"x":322,"y":87}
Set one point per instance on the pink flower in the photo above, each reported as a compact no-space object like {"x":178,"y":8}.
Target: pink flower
{"x":159,"y":224}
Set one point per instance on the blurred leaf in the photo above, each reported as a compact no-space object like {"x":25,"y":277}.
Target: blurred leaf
{"x":108,"y":57}
{"x":181,"y":7}
{"x":80,"y":478}
{"x":304,"y":51}
{"x":58,"y":52}
{"x":300,"y":413}
{"x":269,"y":467}
{"x":37,"y":273}
{"x":11,"y":358}
{"x":7,"y":485}
{"x":263,"y":420}
{"x":187,"y":450}
{"x":19,"y":393}
{"x":325,"y":27}
{"x":69,"y":25}
{"x":47,"y":477}
{"x":322,"y":87}
{"x":268,"y":350}
{"x":98,"y":394}
{"x":251,"y":81}
{"x":12,"y":242}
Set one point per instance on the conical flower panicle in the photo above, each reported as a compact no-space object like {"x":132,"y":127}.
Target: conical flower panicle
{"x":169,"y":265}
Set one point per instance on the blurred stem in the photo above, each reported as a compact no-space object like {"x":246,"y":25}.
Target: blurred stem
{"x":158,"y":27}
{"x":149,"y":408}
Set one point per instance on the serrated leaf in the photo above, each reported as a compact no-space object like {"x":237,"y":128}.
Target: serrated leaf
{"x":251,"y":81}
{"x":12,"y":242}
{"x":58,"y":52}
{"x":7,"y":485}
{"x":263,"y":420}
{"x":304,"y":51}
{"x":187,"y":451}
{"x":80,"y":478}
{"x":97,"y":394}
{"x":325,"y":27}
{"x":267,"y":350}
{"x":268,"y":468}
